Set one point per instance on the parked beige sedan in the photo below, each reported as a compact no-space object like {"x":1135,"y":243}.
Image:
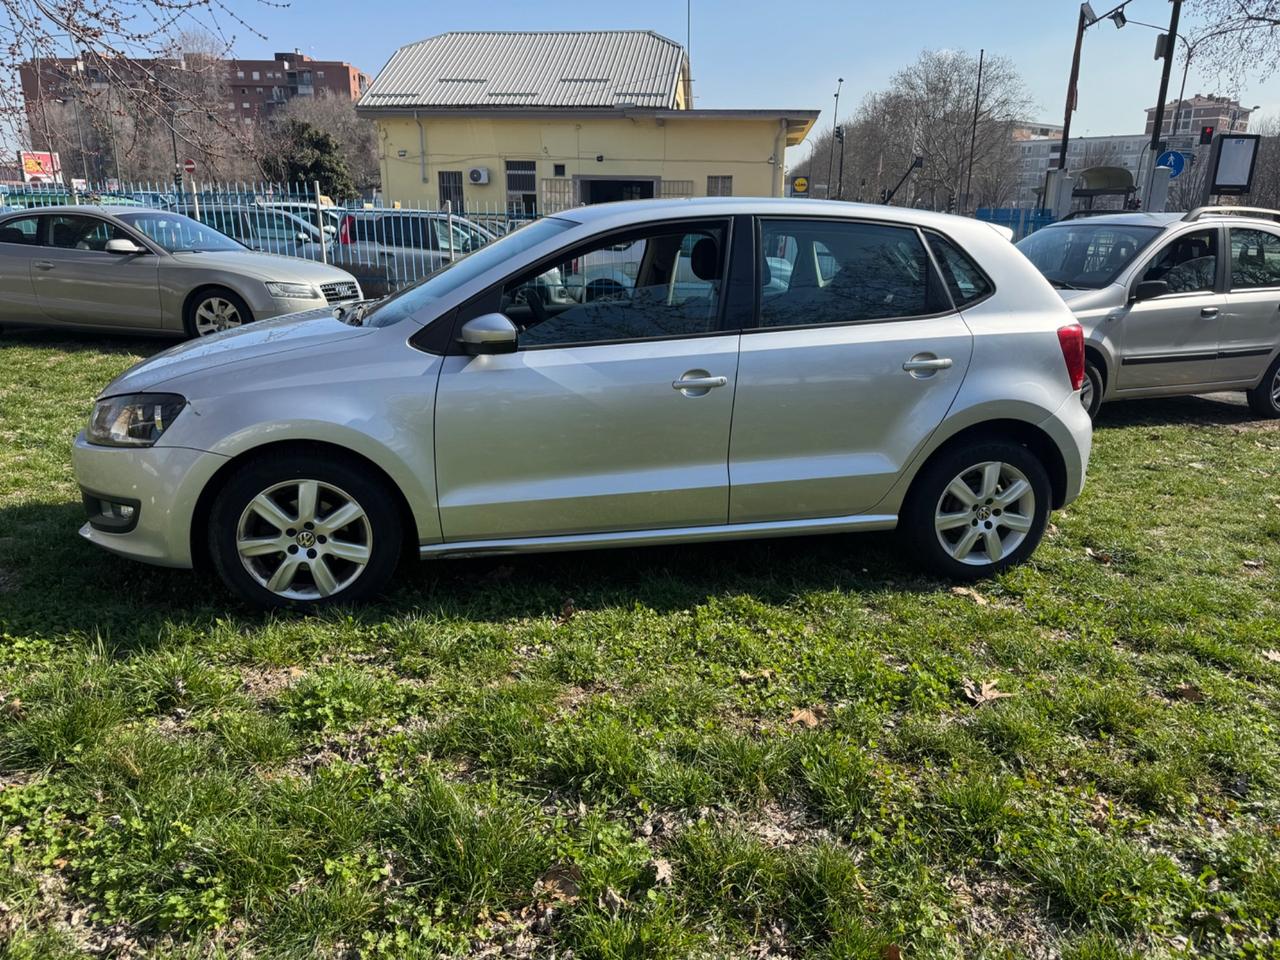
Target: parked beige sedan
{"x":148,"y":271}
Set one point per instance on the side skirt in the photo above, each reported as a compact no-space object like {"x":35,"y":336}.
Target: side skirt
{"x":645,"y":538}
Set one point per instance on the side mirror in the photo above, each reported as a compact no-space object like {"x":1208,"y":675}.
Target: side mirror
{"x":123,"y":248}
{"x":303,"y":237}
{"x":488,"y":334}
{"x":1150,"y":289}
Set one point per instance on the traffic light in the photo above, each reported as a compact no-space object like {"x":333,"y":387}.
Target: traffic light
{"x":1206,"y":136}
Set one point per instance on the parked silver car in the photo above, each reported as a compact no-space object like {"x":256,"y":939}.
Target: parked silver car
{"x":265,"y":229}
{"x":404,"y":245}
{"x":912,"y":371}
{"x":148,"y":271}
{"x":1171,"y":303}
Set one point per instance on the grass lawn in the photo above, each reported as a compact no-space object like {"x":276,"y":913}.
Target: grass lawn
{"x":752,"y":750}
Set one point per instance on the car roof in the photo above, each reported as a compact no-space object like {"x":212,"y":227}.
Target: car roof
{"x":1162,"y":220}
{"x":109,"y":210}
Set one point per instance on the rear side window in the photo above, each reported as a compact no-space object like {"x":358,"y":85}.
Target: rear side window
{"x":823,"y":272}
{"x":1255,"y":259}
{"x":966,"y":282}
{"x":22,"y":230}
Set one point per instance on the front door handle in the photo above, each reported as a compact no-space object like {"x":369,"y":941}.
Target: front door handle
{"x":698,"y":383}
{"x":1208,"y":312}
{"x":927,"y":361}
{"x":43,"y":264}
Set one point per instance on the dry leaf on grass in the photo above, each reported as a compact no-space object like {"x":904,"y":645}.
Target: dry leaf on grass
{"x":661,"y":872}
{"x":566,"y":612}
{"x":972,"y":594}
{"x":611,"y":901}
{"x":891,"y":952}
{"x":562,"y":883}
{"x":1187,"y":691}
{"x":808,"y":716}
{"x":760,"y":676}
{"x":1253,"y":564}
{"x":978,"y":695}
{"x":1272,"y":655}
{"x":1099,"y":556}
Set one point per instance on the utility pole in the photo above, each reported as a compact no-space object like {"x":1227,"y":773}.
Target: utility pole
{"x":1157,"y":128}
{"x":1081,"y":24}
{"x":973,"y":138}
{"x":834,"y":117}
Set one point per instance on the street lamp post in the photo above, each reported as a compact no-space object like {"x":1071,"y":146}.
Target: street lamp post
{"x":1087,"y":20}
{"x":835,"y":116}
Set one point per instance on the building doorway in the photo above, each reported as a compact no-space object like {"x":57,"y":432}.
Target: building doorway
{"x":607,"y":190}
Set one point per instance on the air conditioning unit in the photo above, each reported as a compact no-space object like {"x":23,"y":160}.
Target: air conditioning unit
{"x":478,"y":174}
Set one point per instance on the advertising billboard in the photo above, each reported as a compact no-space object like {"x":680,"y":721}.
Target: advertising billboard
{"x":39,"y":166}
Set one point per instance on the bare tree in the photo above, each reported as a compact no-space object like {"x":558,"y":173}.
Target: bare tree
{"x":928,"y":111}
{"x":131,"y":48}
{"x":1238,"y":37}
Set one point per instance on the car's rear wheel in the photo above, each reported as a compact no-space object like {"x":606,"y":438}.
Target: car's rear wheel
{"x":1091,"y":389}
{"x":1264,"y":399}
{"x":976,"y":510}
{"x":214,"y":310}
{"x":304,"y":530}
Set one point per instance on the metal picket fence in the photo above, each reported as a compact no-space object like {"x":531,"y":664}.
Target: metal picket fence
{"x":386,"y":247}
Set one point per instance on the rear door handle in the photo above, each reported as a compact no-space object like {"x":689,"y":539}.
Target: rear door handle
{"x":923,"y":362}
{"x":698,"y":383}
{"x":1208,"y":312}
{"x":43,"y":264}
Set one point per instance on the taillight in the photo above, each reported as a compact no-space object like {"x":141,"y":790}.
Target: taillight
{"x":344,"y":231}
{"x":1071,"y":339}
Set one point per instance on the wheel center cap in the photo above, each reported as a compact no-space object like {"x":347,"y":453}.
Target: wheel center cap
{"x":984,"y":513}
{"x":306,"y":538}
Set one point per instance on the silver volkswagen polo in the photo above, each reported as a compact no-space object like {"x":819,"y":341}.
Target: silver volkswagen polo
{"x":818,"y":368}
{"x":135,"y":270}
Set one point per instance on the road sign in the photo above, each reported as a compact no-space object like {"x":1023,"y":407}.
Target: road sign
{"x":189,"y":165}
{"x":799,"y":186}
{"x":1172,"y":159}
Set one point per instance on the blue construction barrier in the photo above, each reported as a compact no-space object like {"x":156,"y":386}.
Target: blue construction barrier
{"x":1022,"y":221}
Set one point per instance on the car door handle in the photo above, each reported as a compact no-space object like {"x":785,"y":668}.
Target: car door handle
{"x":927,"y":362}
{"x":1208,"y":312}
{"x":43,"y":264}
{"x":698,"y":383}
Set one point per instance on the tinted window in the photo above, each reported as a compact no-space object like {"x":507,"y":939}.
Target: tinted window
{"x":1255,"y":259}
{"x":406,"y":232}
{"x":965,"y":281}
{"x":816,"y":272}
{"x":224,"y":221}
{"x":177,"y":233}
{"x":82,"y":233}
{"x":1188,"y":264}
{"x":632,"y":287}
{"x":21,"y":230}
{"x":1082,"y":255}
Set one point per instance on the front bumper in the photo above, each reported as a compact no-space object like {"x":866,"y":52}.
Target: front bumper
{"x":1072,"y":431}
{"x":162,"y":483}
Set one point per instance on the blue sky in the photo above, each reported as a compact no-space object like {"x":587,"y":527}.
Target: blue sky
{"x":751,"y":53}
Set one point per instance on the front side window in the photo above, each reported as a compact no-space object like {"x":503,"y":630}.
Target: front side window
{"x":820,"y":272}
{"x":657,"y":282}
{"x":179,"y":234}
{"x":82,"y":233}
{"x":24,"y":230}
{"x":1255,"y":259}
{"x":1188,"y":264}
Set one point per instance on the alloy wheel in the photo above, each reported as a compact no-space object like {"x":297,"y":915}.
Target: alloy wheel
{"x":1275,"y":390}
{"x":985,"y":513}
{"x":304,"y":539}
{"x":216,"y":314}
{"x":1086,"y":393}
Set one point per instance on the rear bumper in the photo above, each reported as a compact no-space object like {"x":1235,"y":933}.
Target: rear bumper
{"x":1072,"y":432}
{"x":160,"y":484}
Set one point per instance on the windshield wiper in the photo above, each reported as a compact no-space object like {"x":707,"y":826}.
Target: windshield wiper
{"x":357,"y":313}
{"x":1064,"y":285}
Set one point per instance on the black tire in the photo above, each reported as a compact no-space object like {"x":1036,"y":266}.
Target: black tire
{"x":1094,"y":386}
{"x":926,"y":498}
{"x":378,"y":532}
{"x":1264,"y":399}
{"x":190,"y":320}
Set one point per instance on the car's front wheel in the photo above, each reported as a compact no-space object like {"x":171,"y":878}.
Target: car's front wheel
{"x":976,"y":510}
{"x":1264,"y":399}
{"x":215,"y":310}
{"x":304,"y":530}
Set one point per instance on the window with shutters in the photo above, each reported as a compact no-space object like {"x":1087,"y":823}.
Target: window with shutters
{"x":719,"y":186}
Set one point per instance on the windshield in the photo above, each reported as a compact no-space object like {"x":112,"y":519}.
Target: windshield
{"x":449,"y":278}
{"x":1083,"y":255}
{"x":179,"y":234}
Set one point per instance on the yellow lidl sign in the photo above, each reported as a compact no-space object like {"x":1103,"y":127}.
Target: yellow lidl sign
{"x":799,"y":186}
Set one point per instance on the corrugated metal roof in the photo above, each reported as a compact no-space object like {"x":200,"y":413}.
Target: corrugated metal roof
{"x":578,"y":68}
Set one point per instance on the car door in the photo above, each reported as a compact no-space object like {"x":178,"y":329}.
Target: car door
{"x":854,"y":357}
{"x":1251,"y":323}
{"x":1172,"y":340}
{"x":613,"y":415}
{"x":77,"y":281}
{"x":19,"y":244}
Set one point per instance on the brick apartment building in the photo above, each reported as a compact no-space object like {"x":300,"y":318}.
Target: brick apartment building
{"x":253,"y":87}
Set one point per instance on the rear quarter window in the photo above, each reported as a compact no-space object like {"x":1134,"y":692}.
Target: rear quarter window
{"x":965,"y":279}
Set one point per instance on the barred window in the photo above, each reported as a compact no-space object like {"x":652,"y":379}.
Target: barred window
{"x":522,"y":176}
{"x":719,"y":186}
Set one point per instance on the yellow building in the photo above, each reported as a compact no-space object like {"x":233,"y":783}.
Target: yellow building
{"x":541,"y":121}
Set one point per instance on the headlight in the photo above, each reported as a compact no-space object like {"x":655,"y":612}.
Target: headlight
{"x":133,"y":420}
{"x":293,"y":291}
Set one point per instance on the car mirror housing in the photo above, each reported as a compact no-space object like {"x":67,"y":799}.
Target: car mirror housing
{"x":123,"y":248}
{"x":1150,"y":289}
{"x":488,"y":334}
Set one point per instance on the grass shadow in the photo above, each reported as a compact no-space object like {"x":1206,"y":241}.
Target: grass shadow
{"x":1214,"y":409}
{"x":67,"y":341}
